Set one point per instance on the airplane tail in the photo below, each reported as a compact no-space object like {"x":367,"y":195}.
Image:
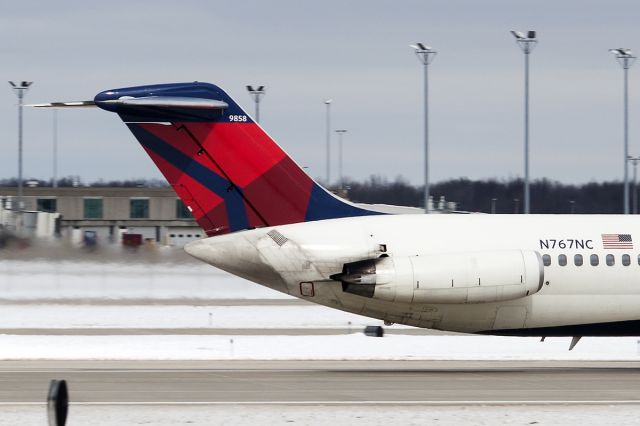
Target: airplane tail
{"x":229,"y":173}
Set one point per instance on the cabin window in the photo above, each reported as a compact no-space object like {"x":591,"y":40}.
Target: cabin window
{"x":546,"y":260}
{"x":626,"y":260}
{"x":577,"y":259}
{"x":562,"y":260}
{"x":611,"y":260}
{"x":595,"y":260}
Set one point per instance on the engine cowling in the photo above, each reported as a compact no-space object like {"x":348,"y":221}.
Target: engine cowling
{"x":472,"y":277}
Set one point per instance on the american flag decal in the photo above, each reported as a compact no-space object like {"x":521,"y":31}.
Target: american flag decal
{"x":617,"y":241}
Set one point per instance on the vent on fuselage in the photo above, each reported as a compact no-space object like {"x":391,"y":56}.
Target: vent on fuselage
{"x":277,"y":237}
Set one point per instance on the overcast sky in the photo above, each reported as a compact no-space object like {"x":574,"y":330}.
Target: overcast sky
{"x":355,"y":52}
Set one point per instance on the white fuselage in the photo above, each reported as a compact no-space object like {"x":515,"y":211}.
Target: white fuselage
{"x":283,"y":257}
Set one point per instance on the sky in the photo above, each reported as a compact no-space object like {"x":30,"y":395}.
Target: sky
{"x":355,"y":52}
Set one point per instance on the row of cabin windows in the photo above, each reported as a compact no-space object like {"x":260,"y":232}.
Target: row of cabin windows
{"x":594,"y":260}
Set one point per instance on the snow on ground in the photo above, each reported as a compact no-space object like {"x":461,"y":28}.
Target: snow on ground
{"x":256,"y":346}
{"x":62,"y":279}
{"x":170,"y":316}
{"x":331,"y":347}
{"x":69,"y":279}
{"x":242,"y":415}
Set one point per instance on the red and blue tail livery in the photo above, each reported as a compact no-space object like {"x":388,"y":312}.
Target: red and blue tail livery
{"x":224,"y":167}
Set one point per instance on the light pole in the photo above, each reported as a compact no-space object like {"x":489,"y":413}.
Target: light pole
{"x":425,"y":54}
{"x":527,"y":43}
{"x":256,"y":93}
{"x":340,"y":133}
{"x":634,"y":161}
{"x":55,"y":148}
{"x":327,"y":102}
{"x":625,"y":59}
{"x":20,"y":89}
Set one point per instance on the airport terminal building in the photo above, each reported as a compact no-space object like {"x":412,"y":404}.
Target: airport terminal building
{"x":155,"y":213}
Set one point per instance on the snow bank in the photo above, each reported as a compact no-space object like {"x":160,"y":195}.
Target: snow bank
{"x":45,"y":279}
{"x":320,"y":415}
{"x":180,"y":316}
{"x":333,"y":347}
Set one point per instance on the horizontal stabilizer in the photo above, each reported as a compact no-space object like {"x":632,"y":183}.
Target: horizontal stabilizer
{"x":168,"y":102}
{"x":147,"y":101}
{"x":74,"y":104}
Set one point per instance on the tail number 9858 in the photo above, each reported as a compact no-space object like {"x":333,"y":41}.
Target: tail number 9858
{"x":238,"y":118}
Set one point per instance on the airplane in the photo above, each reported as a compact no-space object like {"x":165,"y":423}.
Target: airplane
{"x":267,"y":221}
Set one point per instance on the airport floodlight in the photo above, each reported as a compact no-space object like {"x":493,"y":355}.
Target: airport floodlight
{"x":421,"y":47}
{"x":256,"y":90}
{"x":340,"y":133}
{"x":621,"y":51}
{"x":328,"y":102}
{"x":20,"y":89}
{"x":256,"y":94}
{"x":425,"y":54}
{"x":625,"y":58}
{"x":527,"y":43}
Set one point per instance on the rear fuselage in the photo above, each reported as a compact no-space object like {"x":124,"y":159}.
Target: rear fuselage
{"x":579,"y":297}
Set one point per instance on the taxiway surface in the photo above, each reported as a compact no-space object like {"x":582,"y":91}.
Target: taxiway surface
{"x":325,"y":382}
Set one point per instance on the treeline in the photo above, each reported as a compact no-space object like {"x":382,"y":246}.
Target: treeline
{"x":75,"y":181}
{"x":477,"y":195}
{"x":470,"y":195}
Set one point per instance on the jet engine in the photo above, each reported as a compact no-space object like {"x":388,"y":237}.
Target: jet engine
{"x":472,"y":277}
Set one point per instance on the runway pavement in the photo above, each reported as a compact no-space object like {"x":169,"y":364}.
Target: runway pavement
{"x":325,"y":382}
